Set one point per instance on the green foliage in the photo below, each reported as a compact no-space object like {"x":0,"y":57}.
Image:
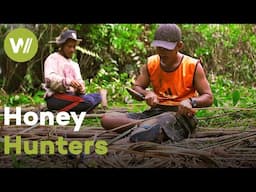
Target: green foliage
{"x":226,"y":49}
{"x":235,"y":97}
{"x":38,"y":98}
{"x":22,"y":99}
{"x":15,"y":100}
{"x":123,"y":48}
{"x":115,"y":83}
{"x":121,"y":37}
{"x":229,"y":94}
{"x":126,"y":44}
{"x":125,"y":38}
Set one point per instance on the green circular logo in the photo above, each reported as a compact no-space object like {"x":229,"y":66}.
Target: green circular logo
{"x":20,"y":45}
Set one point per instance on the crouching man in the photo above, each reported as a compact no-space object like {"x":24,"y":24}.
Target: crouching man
{"x":179,"y":85}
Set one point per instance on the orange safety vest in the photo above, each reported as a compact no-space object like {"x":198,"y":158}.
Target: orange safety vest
{"x":172,"y":87}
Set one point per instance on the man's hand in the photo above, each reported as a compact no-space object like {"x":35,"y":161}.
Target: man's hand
{"x":77,"y":86}
{"x":185,"y":108}
{"x":151,"y":98}
{"x":80,"y":91}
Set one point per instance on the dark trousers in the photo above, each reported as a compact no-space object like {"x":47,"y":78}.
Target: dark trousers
{"x":90,"y":102}
{"x":168,"y":125}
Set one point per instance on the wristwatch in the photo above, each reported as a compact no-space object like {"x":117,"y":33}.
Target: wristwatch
{"x":193,"y":102}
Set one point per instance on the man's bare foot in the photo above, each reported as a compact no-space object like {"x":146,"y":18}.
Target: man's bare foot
{"x":104,"y":102}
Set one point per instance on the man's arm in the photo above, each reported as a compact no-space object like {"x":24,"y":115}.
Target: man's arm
{"x":78,"y":83}
{"x":205,"y":97}
{"x":53,"y":79}
{"x":201,"y":84}
{"x":141,"y":83}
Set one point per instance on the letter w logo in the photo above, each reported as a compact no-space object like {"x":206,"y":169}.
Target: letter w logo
{"x":20,"y":43}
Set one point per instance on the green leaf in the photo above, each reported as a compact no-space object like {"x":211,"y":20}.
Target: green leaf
{"x":235,"y":97}
{"x":215,"y":102}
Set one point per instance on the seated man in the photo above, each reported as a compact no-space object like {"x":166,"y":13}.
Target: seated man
{"x":179,"y":85}
{"x":65,"y":89}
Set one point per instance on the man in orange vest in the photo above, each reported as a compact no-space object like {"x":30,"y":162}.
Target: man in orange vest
{"x":179,"y":84}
